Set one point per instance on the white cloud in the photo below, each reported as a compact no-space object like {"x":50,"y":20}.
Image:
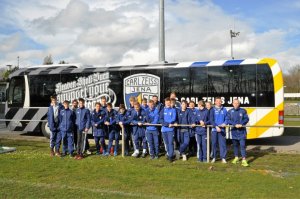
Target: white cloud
{"x":126,"y":32}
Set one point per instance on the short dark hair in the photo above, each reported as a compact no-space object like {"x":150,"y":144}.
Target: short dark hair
{"x":74,"y":100}
{"x":53,"y":97}
{"x":109,"y":104}
{"x":66,"y":102}
{"x":167,"y":99}
{"x":201,"y":103}
{"x":184,"y":101}
{"x":121,"y":106}
{"x":97,"y":103}
{"x":192,"y":102}
{"x":81,"y":100}
{"x":103,"y":97}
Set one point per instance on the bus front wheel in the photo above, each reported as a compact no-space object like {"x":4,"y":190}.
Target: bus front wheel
{"x":45,"y":129}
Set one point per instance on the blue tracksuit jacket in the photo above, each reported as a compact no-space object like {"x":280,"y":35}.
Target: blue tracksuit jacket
{"x":111,"y":118}
{"x":218,"y":117}
{"x":204,"y":116}
{"x":167,"y":116}
{"x":238,"y":116}
{"x":67,"y":120}
{"x":54,"y":126}
{"x":152,"y":117}
{"x":184,"y":117}
{"x":99,"y":119}
{"x":83,"y":119}
{"x":135,"y":118}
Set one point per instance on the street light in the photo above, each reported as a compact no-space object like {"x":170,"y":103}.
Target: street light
{"x":233,"y":34}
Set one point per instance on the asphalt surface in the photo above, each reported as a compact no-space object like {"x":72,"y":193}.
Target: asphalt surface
{"x":281,"y":144}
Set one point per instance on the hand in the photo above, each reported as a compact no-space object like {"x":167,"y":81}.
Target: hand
{"x":140,"y":124}
{"x":120,"y":123}
{"x":86,"y":130}
{"x":171,"y":125}
{"x":193,"y":125}
{"x":175,"y":124}
{"x":201,"y":123}
{"x":218,"y":129}
{"x":106,"y":123}
{"x":96,"y":125}
{"x":223,"y":125}
{"x":238,"y":126}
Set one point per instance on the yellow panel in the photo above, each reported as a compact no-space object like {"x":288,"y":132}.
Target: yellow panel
{"x":269,"y":61}
{"x":278,"y":82}
{"x":250,"y":110}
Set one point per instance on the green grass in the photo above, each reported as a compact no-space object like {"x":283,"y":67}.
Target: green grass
{"x":31,"y":173}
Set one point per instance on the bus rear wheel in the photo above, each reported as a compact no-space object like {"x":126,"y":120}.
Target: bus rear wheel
{"x":45,"y":129}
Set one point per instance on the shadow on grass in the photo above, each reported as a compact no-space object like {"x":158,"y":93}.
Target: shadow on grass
{"x":258,"y":152}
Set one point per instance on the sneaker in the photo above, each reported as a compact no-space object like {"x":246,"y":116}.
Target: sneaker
{"x":80,"y":157}
{"x":71,"y":155}
{"x":177,"y":155}
{"x":184,"y":158}
{"x":126,"y":153}
{"x":245,"y":163}
{"x":224,"y":161}
{"x":88,"y":152}
{"x":58,"y":154}
{"x":115,"y":153}
{"x":97,"y":153}
{"x":144,"y":155}
{"x":213,"y":160}
{"x":52,"y":153}
{"x":235,"y":160}
{"x":76,"y":156}
{"x":135,"y":154}
{"x":63,"y":155}
{"x":151,"y":157}
{"x":171,"y":159}
{"x":106,"y":154}
{"x":156,"y":157}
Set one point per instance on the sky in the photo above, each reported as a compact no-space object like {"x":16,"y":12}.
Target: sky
{"x":125,"y":32}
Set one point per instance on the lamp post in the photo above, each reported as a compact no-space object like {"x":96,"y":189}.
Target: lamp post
{"x":233,"y":34}
{"x":162,"y":31}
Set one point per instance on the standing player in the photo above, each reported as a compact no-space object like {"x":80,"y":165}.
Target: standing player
{"x":193,"y":143}
{"x":112,"y":129}
{"x":218,"y":120}
{"x":238,"y":117}
{"x":167,"y":119}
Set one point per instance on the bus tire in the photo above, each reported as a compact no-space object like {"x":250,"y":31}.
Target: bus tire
{"x":45,"y":129}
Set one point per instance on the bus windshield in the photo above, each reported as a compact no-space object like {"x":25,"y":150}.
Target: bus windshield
{"x":16,"y":92}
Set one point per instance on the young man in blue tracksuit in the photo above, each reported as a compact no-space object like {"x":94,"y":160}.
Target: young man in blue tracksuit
{"x":132,"y":100}
{"x":152,"y":117}
{"x":238,"y":117}
{"x":144,"y":104}
{"x":67,"y":121}
{"x":202,"y":119}
{"x":97,"y":121}
{"x":83,"y":123}
{"x":184,"y":117}
{"x":159,"y":106}
{"x":103,"y":103}
{"x":112,"y":129}
{"x":218,"y":120}
{"x":193,"y":143}
{"x":137,"y":119}
{"x":53,"y":123}
{"x":167,"y":119}
{"x":123,"y":121}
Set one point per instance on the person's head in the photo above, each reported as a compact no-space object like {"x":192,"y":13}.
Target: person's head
{"x":81,"y":102}
{"x":201,"y":104}
{"x":53,"y":99}
{"x":136,"y":106}
{"x":151,"y":104}
{"x":155,"y":99}
{"x":97,"y":106}
{"x":173,"y":102}
{"x":236,"y":103}
{"x":109,"y":107}
{"x":184,"y":104}
{"x":66,"y":104}
{"x":103,"y":101}
{"x":144,"y":102}
{"x":75,"y":103}
{"x":122,"y":108}
{"x":192,"y":104}
{"x":132,"y":99}
{"x":218,"y":101}
{"x":168,"y":102}
{"x":173,"y":95}
{"x":208,"y":105}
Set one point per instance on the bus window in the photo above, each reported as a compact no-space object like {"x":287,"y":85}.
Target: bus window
{"x":16,"y":92}
{"x":177,"y":80}
{"x":265,"y":86}
{"x":41,"y":87}
{"x":199,"y":82}
{"x":230,"y":82}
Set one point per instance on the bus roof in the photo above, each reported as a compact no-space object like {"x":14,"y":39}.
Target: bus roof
{"x":80,"y":68}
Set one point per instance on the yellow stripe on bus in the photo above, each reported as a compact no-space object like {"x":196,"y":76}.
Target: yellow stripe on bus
{"x":278,"y":82}
{"x":269,"y":119}
{"x":269,"y":61}
{"x":250,"y":110}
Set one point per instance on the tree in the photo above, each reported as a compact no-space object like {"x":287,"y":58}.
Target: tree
{"x":63,"y":62}
{"x":292,"y":80}
{"x":48,"y":60}
{"x":5,"y":74}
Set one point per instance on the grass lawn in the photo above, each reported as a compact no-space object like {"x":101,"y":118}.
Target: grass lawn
{"x":31,"y":173}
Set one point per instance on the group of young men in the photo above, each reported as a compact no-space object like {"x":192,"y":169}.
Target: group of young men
{"x":181,"y":127}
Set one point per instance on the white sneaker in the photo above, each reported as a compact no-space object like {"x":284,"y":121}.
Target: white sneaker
{"x":177,"y":154}
{"x":184,"y":158}
{"x":224,"y":161}
{"x":213,"y":160}
{"x":88,"y":152}
{"x":135,"y":154}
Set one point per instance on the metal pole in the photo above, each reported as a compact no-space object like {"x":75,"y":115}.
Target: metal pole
{"x":161,"y":31}
{"x":231,"y":32}
{"x":123,"y":142}
{"x":207,"y":144}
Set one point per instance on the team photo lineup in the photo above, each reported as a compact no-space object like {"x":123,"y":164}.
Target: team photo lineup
{"x":151,"y":128}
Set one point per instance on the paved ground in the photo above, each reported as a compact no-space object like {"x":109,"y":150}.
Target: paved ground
{"x":282,"y":144}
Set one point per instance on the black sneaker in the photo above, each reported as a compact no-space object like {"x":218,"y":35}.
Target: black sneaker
{"x":171,"y":159}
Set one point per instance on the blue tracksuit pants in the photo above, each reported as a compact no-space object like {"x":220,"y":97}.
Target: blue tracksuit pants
{"x":168,"y":138}
{"x":113,"y":135}
{"x":152,"y":139}
{"x":219,"y":138}
{"x":68,"y":142}
{"x":100,"y":141}
{"x":184,"y":140}
{"x":201,"y":147}
{"x":55,"y":140}
{"x":236,"y":143}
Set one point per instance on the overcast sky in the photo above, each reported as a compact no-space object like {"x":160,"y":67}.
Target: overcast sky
{"x":113,"y":32}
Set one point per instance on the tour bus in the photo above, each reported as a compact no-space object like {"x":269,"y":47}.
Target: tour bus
{"x":257,"y":83}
